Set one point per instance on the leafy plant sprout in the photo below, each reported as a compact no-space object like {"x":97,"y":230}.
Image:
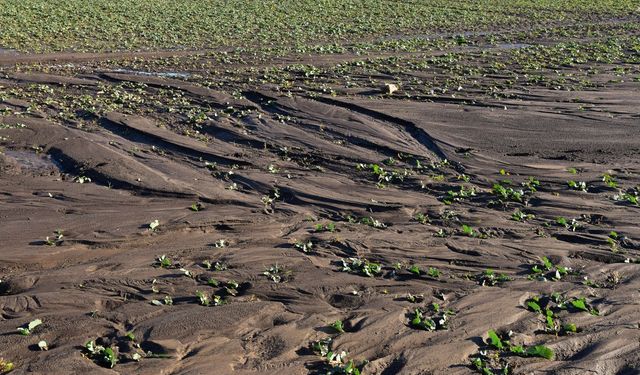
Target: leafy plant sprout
{"x":28,"y":328}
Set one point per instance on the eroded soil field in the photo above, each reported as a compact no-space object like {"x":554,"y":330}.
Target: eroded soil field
{"x":512,"y":150}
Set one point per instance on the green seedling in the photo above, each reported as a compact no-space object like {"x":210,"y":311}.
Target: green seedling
{"x":422,"y":218}
{"x":440,"y":233}
{"x":361,"y":266}
{"x":203,"y":298}
{"x":217,"y":266}
{"x":577,"y":185}
{"x":373,"y":222}
{"x":414,"y":270}
{"x":548,"y":271}
{"x":104,"y":356}
{"x":630,"y":197}
{"x":521,"y":216}
{"x":336,"y":360}
{"x":186,"y":272}
{"x":433,"y":272}
{"x":26,"y":330}
{"x":438,"y":321}
{"x":572,"y":170}
{"x":163,"y":262}
{"x":277,"y":274}
{"x":338,"y":326}
{"x":582,"y":305}
{"x":540,"y":351}
{"x":610,"y":181}
{"x":329,"y":227}
{"x":459,"y":196}
{"x":231,"y":287}
{"x":507,"y":193}
{"x":470,"y":232}
{"x":6,"y":366}
{"x":415,"y":298}
{"x":572,"y":225}
{"x":56,"y":240}
{"x":495,"y":340}
{"x":305,"y":246}
{"x":490,"y":278}
{"x":503,"y":345}
{"x":197,"y":207}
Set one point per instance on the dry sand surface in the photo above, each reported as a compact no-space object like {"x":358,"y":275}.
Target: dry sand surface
{"x":98,"y":281}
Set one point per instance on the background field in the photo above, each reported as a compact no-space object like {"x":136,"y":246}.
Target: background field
{"x":78,"y":25}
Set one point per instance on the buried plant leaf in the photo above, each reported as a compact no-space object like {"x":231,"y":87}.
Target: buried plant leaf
{"x":581,"y":304}
{"x":540,"y":351}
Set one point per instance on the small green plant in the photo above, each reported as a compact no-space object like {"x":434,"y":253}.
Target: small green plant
{"x":422,"y":218}
{"x":361,"y":266}
{"x":203,"y":298}
{"x":304,"y":246}
{"x":546,"y":270}
{"x":490,"y":278}
{"x":630,"y":197}
{"x":197,"y":207}
{"x":521,"y":216}
{"x":577,"y":185}
{"x":104,"y":356}
{"x":56,"y":240}
{"x":336,"y":361}
{"x":440,"y":233}
{"x":439,"y":320}
{"x":163,"y":262}
{"x":338,"y":326}
{"x":502,"y":344}
{"x":505,"y":193}
{"x":277,"y":274}
{"x":433,"y":272}
{"x":582,"y":305}
{"x":217,"y":266}
{"x":373,"y":222}
{"x":6,"y":366}
{"x":459,"y":196}
{"x":610,"y":181}
{"x":572,"y":225}
{"x":329,"y":227}
{"x":470,"y":232}
{"x":28,"y":328}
